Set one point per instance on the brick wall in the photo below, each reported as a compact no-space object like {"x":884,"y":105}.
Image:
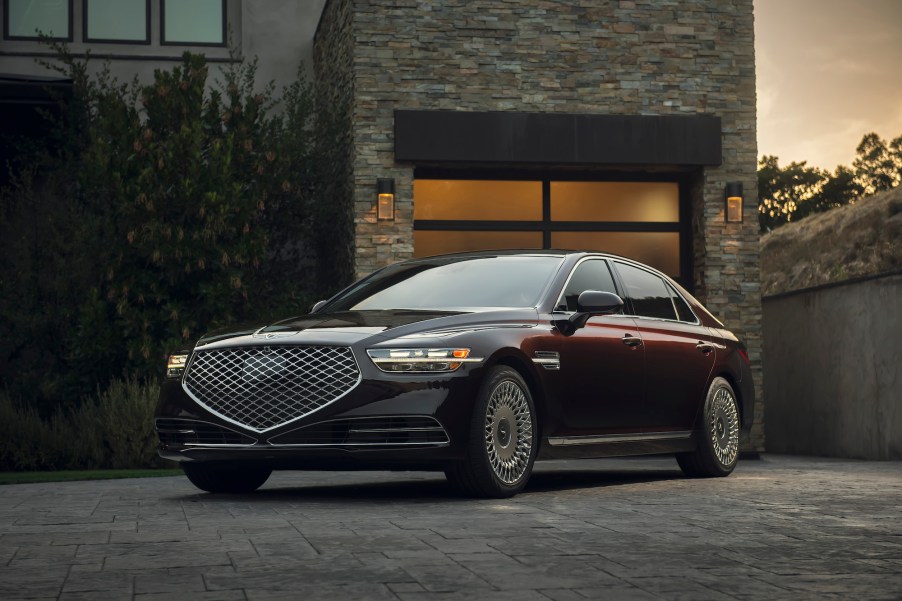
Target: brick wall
{"x":626,"y":57}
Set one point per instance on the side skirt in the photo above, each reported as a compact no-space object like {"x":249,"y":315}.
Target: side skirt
{"x":618,"y":445}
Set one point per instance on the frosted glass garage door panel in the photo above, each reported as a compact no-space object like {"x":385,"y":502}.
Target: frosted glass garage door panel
{"x":661,"y":250}
{"x":615,"y":201}
{"x":427,"y":243}
{"x":477,"y":200}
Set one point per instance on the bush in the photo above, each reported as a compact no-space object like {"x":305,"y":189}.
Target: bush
{"x":110,"y":430}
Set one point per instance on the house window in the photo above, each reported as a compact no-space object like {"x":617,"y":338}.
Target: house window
{"x":29,"y":19}
{"x":194,"y":22}
{"x":121,"y":21}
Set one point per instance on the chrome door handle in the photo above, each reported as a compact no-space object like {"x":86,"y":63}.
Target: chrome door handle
{"x":705,"y":347}
{"x":631,"y":340}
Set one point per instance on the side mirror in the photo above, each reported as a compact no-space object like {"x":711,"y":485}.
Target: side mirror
{"x":318,"y":305}
{"x":589,"y":304}
{"x":594,"y":302}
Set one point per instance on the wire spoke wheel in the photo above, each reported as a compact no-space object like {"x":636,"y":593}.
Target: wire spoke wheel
{"x":508,"y":432}
{"x":719,"y":425}
{"x":723,"y":426}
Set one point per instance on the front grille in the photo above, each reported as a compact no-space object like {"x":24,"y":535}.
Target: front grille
{"x":264,"y":387}
{"x":187,"y":431}
{"x":393,"y":430}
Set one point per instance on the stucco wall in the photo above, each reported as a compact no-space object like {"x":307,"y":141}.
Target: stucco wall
{"x":278,"y":32}
{"x":832,"y":357}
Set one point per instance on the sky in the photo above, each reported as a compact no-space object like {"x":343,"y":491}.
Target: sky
{"x":829,"y":71}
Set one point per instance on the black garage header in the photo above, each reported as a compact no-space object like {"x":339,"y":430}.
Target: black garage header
{"x":509,"y":137}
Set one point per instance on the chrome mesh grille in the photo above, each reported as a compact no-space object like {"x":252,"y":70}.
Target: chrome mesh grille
{"x":264,"y":387}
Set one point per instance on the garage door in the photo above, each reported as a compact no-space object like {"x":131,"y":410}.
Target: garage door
{"x":639,"y":220}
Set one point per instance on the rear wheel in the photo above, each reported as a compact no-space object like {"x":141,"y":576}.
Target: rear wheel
{"x":502,"y":443}
{"x":226,"y":478}
{"x":718,"y":449}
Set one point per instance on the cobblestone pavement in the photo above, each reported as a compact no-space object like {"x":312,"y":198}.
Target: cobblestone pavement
{"x":782,"y":527}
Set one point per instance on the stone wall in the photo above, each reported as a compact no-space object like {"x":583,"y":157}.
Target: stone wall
{"x":617,"y":57}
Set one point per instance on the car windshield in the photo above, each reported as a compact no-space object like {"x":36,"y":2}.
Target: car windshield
{"x":451,"y":283}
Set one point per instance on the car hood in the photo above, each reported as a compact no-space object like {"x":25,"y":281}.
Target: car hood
{"x":349,"y":327}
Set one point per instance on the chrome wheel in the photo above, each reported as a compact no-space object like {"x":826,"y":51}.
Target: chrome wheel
{"x":723,"y":426}
{"x":508,"y":432}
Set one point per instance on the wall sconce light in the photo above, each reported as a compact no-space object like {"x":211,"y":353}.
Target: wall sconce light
{"x":385,"y":199}
{"x":733,"y":195}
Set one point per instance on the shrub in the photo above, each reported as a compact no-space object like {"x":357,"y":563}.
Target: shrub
{"x":110,"y":430}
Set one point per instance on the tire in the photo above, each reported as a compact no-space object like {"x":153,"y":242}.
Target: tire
{"x":226,"y":478}
{"x":501,"y":448}
{"x":718,"y":448}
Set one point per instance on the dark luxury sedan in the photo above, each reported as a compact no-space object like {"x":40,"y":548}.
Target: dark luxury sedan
{"x":474,"y":364}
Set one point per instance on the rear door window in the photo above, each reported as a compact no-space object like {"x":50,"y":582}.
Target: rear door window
{"x":650,"y":295}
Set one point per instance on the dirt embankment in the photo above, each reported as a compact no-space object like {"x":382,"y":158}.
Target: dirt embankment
{"x":843,"y":243}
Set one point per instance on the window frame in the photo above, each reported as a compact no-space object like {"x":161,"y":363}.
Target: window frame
{"x":16,"y":38}
{"x":667,"y":285}
{"x":225,"y":31}
{"x":87,"y":39}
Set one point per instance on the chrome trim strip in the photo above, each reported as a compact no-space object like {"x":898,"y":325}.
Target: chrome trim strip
{"x":359,"y":430}
{"x":550,"y":360}
{"x":362,"y":444}
{"x":196,"y":445}
{"x":563,"y":441}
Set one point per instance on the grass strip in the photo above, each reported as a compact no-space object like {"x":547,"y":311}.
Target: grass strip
{"x":69,"y":476}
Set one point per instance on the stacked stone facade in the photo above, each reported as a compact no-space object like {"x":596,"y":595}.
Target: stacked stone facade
{"x":630,"y":57}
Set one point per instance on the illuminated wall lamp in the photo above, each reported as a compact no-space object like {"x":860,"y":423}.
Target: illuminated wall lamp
{"x":733,"y":195}
{"x":385,"y":199}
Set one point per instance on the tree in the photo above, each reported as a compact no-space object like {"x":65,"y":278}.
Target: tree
{"x":784,"y":193}
{"x":168,"y":210}
{"x":878,"y":167}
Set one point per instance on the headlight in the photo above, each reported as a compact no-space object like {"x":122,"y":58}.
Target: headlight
{"x":430,"y":360}
{"x":176,"y":366}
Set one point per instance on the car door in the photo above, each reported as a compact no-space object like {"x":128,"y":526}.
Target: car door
{"x":602,"y":363}
{"x":679,"y":351}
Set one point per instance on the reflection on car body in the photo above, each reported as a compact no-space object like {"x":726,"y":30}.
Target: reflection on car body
{"x":475,"y":364}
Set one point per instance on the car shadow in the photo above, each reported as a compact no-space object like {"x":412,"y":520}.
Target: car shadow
{"x":432,"y":488}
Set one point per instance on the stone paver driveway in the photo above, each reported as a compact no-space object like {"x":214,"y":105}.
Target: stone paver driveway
{"x":779,"y":528}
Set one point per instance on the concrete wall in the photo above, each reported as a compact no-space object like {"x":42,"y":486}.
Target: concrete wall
{"x":834,"y":383}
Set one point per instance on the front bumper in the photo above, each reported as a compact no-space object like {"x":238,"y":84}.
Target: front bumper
{"x":388,"y":421}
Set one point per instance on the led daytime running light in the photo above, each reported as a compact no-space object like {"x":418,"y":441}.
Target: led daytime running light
{"x":419,"y":360}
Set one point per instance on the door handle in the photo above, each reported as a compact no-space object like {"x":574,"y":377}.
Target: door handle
{"x":705,"y":347}
{"x":631,"y":340}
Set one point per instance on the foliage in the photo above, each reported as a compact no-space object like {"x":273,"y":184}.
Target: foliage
{"x":112,"y":429}
{"x":162,"y":211}
{"x":792,"y":192}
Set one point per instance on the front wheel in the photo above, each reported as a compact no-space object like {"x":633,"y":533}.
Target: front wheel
{"x":502,"y":443}
{"x":226,"y":478}
{"x":718,"y":450}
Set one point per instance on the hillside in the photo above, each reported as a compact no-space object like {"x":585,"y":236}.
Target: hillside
{"x":843,"y":243}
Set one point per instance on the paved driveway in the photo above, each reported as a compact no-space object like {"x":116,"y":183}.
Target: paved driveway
{"x":780,"y":527}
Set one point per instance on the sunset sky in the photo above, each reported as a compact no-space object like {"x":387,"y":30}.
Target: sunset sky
{"x":829,"y":71}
